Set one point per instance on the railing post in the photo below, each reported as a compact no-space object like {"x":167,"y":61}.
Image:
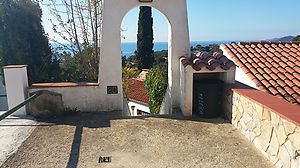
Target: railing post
{"x":16,"y":83}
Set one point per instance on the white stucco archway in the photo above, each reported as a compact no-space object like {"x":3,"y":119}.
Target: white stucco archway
{"x":110,"y":67}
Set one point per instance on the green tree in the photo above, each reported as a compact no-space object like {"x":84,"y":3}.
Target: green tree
{"x":82,"y":67}
{"x":297,"y":38}
{"x":144,"y":55}
{"x":156,"y":84}
{"x":23,"y":40}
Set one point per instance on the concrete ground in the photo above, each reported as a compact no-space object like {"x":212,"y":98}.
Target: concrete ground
{"x":13,"y":132}
{"x":136,"y":142}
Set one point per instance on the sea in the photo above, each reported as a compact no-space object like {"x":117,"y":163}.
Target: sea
{"x":128,"y":48}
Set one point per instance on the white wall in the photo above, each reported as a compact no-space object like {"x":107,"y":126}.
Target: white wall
{"x":138,"y":106}
{"x":110,"y":55}
{"x":16,"y":86}
{"x":165,"y":105}
{"x":240,"y":75}
{"x":86,"y":98}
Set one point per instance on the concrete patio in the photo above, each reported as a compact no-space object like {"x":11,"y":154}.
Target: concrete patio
{"x":13,"y":132}
{"x":80,"y":140}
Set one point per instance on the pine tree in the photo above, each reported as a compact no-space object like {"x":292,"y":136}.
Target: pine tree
{"x":144,"y":54}
{"x":297,"y":38}
{"x":23,"y":40}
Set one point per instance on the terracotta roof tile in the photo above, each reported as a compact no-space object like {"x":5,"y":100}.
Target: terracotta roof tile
{"x":293,"y":50}
{"x":273,"y":66}
{"x":291,"y":64}
{"x":289,"y":75}
{"x":267,"y":77}
{"x":296,"y":75}
{"x":296,"y":46}
{"x":268,"y":65}
{"x":296,"y":82}
{"x":211,"y":62}
{"x":282,"y":64}
{"x":280,"y":69}
{"x":281,"y":76}
{"x":289,"y":83}
{"x":273,"y":90}
{"x":281,"y":90}
{"x":273,"y":83}
{"x":276,"y":59}
{"x":274,"y":76}
{"x":274,"y":70}
{"x":136,"y":91}
{"x":289,"y":70}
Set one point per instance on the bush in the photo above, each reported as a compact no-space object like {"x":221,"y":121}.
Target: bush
{"x":156,"y":85}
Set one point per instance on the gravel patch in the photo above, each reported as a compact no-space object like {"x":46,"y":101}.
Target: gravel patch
{"x":81,"y":140}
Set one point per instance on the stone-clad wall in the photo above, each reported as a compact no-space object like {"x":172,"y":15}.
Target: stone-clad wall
{"x":277,"y":138}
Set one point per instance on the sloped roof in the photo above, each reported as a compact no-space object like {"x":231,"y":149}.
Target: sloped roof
{"x":204,"y":60}
{"x":273,"y":66}
{"x":137,"y":91}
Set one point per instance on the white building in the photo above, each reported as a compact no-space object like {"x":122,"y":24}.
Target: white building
{"x":137,"y":97}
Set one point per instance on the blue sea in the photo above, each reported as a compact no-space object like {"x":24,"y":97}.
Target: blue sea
{"x":129,"y":48}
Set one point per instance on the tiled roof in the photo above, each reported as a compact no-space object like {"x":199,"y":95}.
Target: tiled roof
{"x":273,"y":66}
{"x":136,"y":91}
{"x":204,"y":60}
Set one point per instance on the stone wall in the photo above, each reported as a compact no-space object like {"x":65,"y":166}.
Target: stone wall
{"x":276,"y":137}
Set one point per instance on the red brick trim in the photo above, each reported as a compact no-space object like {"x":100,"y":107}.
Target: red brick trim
{"x":62,"y":84}
{"x":14,"y":66}
{"x":286,"y":110}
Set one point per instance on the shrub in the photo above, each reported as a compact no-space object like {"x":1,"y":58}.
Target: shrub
{"x":156,"y":85}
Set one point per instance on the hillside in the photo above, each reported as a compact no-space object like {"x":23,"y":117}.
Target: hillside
{"x":285,"y":38}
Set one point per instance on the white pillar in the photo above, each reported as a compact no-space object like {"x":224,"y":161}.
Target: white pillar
{"x":16,"y":83}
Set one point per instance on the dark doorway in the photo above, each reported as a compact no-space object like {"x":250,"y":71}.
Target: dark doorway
{"x":208,"y":97}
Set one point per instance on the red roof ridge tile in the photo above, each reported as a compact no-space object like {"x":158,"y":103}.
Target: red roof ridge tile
{"x":211,"y":62}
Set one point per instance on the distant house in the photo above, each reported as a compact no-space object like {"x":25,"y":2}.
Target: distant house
{"x":272,"y":67}
{"x":138,"y":100}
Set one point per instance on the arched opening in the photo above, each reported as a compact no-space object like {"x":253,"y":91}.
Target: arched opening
{"x":136,"y":88}
{"x":110,"y":66}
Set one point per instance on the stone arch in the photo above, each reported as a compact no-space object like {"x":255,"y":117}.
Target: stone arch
{"x":110,"y":64}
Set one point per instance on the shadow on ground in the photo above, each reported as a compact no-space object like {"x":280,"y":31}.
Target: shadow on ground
{"x":103,"y":119}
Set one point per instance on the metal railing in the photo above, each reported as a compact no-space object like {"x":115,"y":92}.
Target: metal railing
{"x":28,"y":100}
{"x":3,"y":96}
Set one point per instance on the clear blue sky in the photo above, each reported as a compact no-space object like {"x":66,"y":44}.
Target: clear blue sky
{"x":218,"y":20}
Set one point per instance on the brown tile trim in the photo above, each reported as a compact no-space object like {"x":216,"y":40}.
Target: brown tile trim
{"x":62,"y":84}
{"x":286,"y":110}
{"x":14,"y":66}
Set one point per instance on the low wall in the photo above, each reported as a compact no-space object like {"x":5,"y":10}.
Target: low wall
{"x":270,"y":123}
{"x":86,"y":98}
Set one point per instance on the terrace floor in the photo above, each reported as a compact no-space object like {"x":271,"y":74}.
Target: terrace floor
{"x":80,"y":140}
